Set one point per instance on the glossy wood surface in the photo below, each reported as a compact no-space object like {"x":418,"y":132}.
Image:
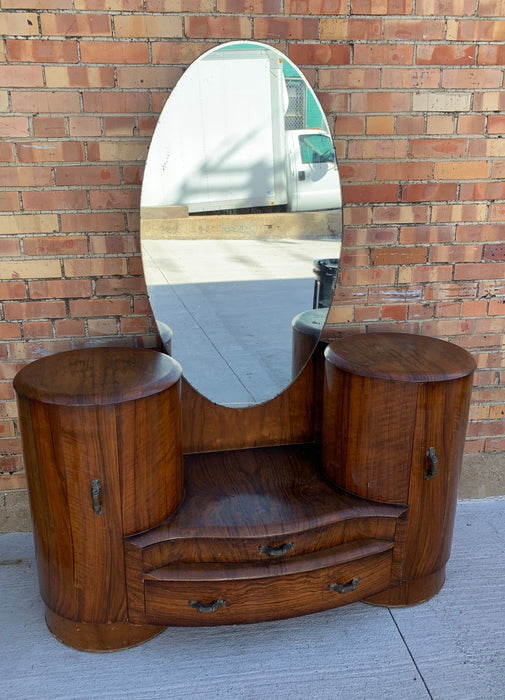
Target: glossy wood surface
{"x":97,"y":376}
{"x":127,"y":447}
{"x":287,"y":418}
{"x":212,"y":515}
{"x":400,"y":357}
{"x":383,"y":454}
{"x":366,"y":449}
{"x":297,"y":587}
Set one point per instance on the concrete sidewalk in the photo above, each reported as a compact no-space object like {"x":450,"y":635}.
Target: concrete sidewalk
{"x":452,"y":647}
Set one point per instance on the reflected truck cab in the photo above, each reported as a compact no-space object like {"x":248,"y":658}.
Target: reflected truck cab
{"x":313,"y":180}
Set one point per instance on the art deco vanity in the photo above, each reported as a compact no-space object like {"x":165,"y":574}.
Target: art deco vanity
{"x":155,"y":506}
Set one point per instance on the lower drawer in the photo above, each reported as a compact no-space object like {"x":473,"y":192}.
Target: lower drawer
{"x":220,"y":600}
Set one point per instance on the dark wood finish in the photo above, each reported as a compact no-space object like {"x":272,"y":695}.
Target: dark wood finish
{"x":425,"y":384}
{"x":287,"y":509}
{"x":86,"y":430}
{"x":262,"y":593}
{"x":285,"y":419}
{"x":242,"y":504}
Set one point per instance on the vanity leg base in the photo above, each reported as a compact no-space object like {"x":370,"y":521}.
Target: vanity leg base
{"x":88,"y":636}
{"x":410,"y":592}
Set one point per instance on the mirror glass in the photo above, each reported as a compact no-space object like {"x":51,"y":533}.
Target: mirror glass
{"x":240,"y":203}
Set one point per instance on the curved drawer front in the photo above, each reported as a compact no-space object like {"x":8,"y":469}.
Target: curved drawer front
{"x":213,"y":596}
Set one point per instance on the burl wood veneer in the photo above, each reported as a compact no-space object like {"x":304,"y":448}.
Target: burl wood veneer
{"x":286,"y":509}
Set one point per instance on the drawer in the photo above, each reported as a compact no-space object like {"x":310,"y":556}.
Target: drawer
{"x":218,"y":595}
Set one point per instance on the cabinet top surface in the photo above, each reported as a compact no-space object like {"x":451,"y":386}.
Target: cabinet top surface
{"x":97,"y":376}
{"x":400,"y":356}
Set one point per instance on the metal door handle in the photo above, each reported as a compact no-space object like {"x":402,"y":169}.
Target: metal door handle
{"x":433,"y":464}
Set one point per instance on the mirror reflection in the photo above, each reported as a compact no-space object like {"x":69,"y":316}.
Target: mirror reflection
{"x":241,"y":195}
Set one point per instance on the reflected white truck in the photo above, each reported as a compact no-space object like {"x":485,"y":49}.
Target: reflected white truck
{"x":221,"y":142}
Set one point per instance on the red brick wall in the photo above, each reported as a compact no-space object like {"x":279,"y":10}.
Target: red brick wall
{"x":415,"y":99}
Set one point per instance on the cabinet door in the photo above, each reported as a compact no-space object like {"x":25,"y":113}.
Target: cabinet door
{"x":442,"y":415}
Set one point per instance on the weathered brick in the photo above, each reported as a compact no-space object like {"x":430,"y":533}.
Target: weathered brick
{"x":430,"y":101}
{"x":37,"y":329}
{"x":18,"y":23}
{"x":40,"y":51}
{"x":69,"y":327}
{"x":383,"y":54}
{"x":320,"y":54}
{"x":49,"y":127}
{"x":15,"y":289}
{"x":55,"y":245}
{"x":87,"y":175}
{"x":102,"y":326}
{"x":179,"y":5}
{"x":353,"y":29}
{"x":315,"y":7}
{"x":473,"y":271}
{"x":461,"y":170}
{"x":50,"y":151}
{"x":115,"y":52}
{"x":26,"y":310}
{"x":143,"y":26}
{"x":84,"y":126}
{"x":115,"y":102}
{"x":370,"y":193}
{"x":94,"y":267}
{"x":467,"y":78}
{"x":458,"y":212}
{"x":331,"y":78}
{"x":28,"y":223}
{"x":174,"y":53}
{"x":54,"y":200}
{"x":475,"y":30}
{"x":68,"y":24}
{"x":410,"y":78}
{"x":23,"y":76}
{"x":429,"y":192}
{"x":103,"y":221}
{"x":117,"y":151}
{"x":46,"y":102}
{"x":114,"y":244}
{"x":114,"y":199}
{"x":98,"y":307}
{"x":79,"y":76}
{"x":147,"y":77}
{"x":285,"y":28}
{"x":439,"y":124}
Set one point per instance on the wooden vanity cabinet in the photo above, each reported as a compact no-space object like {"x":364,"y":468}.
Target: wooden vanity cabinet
{"x":286,"y":509}
{"x":395,"y":417}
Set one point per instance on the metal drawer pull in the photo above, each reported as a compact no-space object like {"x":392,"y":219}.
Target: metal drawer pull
{"x":344,"y":587}
{"x":96,"y":496}
{"x":210,"y":608}
{"x":433,"y":464}
{"x":277,"y":551}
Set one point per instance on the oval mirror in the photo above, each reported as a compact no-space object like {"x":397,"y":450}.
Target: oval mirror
{"x":240,"y":203}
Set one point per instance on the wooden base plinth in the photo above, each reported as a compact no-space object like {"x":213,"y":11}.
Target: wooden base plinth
{"x":410,"y":592}
{"x":88,"y":636}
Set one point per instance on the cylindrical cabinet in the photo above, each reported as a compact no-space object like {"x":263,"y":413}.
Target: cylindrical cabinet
{"x":394,"y":422}
{"x":101,"y":431}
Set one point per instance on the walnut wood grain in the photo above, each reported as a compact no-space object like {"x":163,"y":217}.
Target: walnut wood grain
{"x":286,"y":419}
{"x":425,"y":385}
{"x":97,"y":376}
{"x":268,"y":593}
{"x":400,"y":357}
{"x":275,"y":510}
{"x":131,"y":446}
